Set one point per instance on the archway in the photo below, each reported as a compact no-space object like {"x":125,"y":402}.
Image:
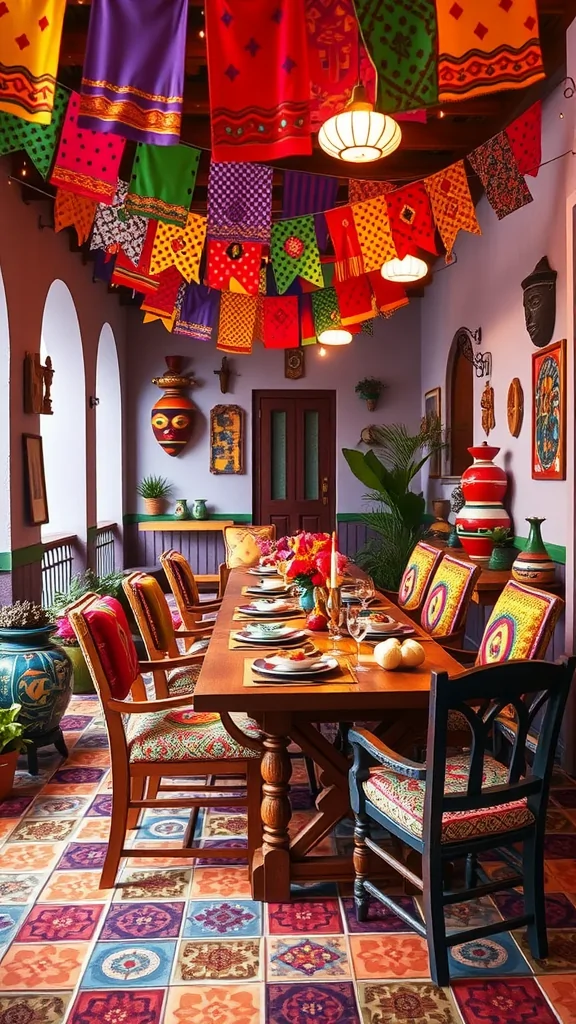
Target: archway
{"x":5,"y":544}
{"x":108,"y":448}
{"x":460,"y":409}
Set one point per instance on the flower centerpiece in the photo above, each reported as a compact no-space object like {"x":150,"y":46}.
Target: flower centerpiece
{"x":306,"y":562}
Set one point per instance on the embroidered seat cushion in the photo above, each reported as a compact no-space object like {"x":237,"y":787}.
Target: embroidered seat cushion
{"x":112,"y":637}
{"x":520,"y":626}
{"x":182,"y":680}
{"x":181,"y":575}
{"x":185,"y":735}
{"x":402,"y":800}
{"x":417,"y":576}
{"x":241,"y":546}
{"x":447,"y":602}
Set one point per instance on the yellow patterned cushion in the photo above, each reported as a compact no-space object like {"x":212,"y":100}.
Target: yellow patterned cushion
{"x":182,"y":680}
{"x":402,"y":800}
{"x":417,"y":575}
{"x":447,"y":602}
{"x":185,"y":735}
{"x":181,"y":576}
{"x":520,"y":626}
{"x":241,"y":546}
{"x":155,"y":609}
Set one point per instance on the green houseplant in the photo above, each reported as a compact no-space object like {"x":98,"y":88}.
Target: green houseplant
{"x":12,"y":743}
{"x":154,"y":490}
{"x":503,"y":552}
{"x":370,"y":389}
{"x":398,"y":514}
{"x":80,"y":584}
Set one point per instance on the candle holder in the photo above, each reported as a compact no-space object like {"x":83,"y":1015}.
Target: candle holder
{"x":335,"y":616}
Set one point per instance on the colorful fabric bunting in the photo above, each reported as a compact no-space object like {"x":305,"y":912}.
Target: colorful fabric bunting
{"x":373,"y":231}
{"x":411,"y":219}
{"x":133,"y":73}
{"x":388,"y":296}
{"x":354,"y":299}
{"x":401,"y":40}
{"x":162,"y":182}
{"x":198,"y":312}
{"x":240,"y":202}
{"x":30,"y":33}
{"x":236,"y":323}
{"x":309,"y":193}
{"x":163,"y":300}
{"x":452,"y":204}
{"x":281,"y":325}
{"x":525,"y":138}
{"x":114,"y":230}
{"x":234,"y":261}
{"x":259,"y":84}
{"x":103,"y":267}
{"x":307,"y":329}
{"x":505,"y":188}
{"x":349,"y":261}
{"x":335,"y":52}
{"x":75,"y":211}
{"x":325,"y":310}
{"x":37,"y":140}
{"x":179,"y":247}
{"x":294,"y":252}
{"x":85,"y":162}
{"x":486,"y":47}
{"x":138,"y":277}
{"x":358,"y":189}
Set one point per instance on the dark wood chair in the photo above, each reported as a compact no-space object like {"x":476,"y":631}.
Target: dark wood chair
{"x":458,"y":807}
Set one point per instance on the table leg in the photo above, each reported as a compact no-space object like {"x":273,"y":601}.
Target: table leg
{"x":271,"y":875}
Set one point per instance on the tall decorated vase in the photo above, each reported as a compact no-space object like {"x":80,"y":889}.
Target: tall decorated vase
{"x":37,"y":674}
{"x":534,"y":565}
{"x":483,"y":486}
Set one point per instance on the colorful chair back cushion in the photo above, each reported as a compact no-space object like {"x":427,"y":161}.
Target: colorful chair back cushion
{"x":155,"y":609}
{"x":241,"y":547}
{"x":182,"y":576}
{"x":449,"y":596}
{"x":520,"y":626}
{"x":112,"y":637}
{"x":417,"y":576}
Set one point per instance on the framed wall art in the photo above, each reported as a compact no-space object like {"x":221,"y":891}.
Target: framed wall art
{"x":549,"y":412}
{"x":227,"y":439}
{"x":433,"y":413}
{"x":35,"y":481}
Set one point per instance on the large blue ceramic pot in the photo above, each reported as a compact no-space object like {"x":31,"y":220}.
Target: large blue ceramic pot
{"x":37,"y":674}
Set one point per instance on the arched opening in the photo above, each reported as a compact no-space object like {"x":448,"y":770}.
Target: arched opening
{"x":108,"y":450}
{"x":5,"y":544}
{"x":460,"y":411}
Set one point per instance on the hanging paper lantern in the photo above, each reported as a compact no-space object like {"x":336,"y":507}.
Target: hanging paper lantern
{"x":411,"y":268}
{"x":359,"y":134}
{"x":335,"y":336}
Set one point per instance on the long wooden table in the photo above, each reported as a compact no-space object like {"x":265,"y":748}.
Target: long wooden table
{"x":292,"y":713}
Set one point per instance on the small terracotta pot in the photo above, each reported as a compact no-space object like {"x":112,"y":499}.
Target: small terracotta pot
{"x":371,"y":404}
{"x":7,"y":770}
{"x":154,"y":506}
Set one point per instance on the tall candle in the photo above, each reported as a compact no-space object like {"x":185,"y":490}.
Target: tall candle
{"x":334,"y":564}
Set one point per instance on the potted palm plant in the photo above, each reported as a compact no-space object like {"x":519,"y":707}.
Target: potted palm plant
{"x":154,"y":490}
{"x":12,"y":743}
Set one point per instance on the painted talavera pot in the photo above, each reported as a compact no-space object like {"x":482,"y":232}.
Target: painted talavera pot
{"x":172,"y":415}
{"x":534,"y":565}
{"x":37,"y":674}
{"x":483,"y":486}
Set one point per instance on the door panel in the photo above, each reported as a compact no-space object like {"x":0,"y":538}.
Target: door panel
{"x":294,"y":460}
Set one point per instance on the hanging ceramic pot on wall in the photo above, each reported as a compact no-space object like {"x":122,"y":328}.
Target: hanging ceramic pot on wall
{"x":483,"y":486}
{"x":534,"y":565}
{"x":173,"y":414}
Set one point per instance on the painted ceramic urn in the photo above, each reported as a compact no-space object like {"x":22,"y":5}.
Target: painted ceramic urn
{"x":173,"y":414}
{"x":483,"y":486}
{"x":533,"y":565}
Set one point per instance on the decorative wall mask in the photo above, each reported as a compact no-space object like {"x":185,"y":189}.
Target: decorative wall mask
{"x":487,"y":406}
{"x":227,"y":439}
{"x":540,"y":302}
{"x":294,"y":363}
{"x":515,"y":407}
{"x":173,"y":414}
{"x":37,"y":385}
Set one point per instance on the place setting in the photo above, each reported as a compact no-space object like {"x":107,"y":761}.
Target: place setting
{"x":263,"y":570}
{"x":307,"y":666}
{"x":264,"y":608}
{"x":268,"y":634}
{"x":275,"y":587}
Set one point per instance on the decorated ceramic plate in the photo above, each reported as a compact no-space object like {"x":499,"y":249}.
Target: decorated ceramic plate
{"x":322,"y":667}
{"x":287,"y":636}
{"x":267,"y":608}
{"x":273,"y":591}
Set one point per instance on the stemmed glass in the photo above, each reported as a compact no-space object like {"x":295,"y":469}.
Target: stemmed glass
{"x":365,"y":591}
{"x":357,"y":623}
{"x":335,"y":618}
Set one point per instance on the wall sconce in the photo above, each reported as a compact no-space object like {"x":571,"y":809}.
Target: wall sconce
{"x":481,"y":361}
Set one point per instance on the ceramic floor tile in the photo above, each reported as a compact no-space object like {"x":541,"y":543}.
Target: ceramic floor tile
{"x":561,"y":991}
{"x":223,"y":1004}
{"x":82,"y":857}
{"x":61,"y":923}
{"x":15,"y":806}
{"x":561,"y":952}
{"x":311,"y":1003}
{"x":217,"y":825}
{"x":32,"y":856}
{"x":218,"y":960}
{"x":563,"y":874}
{"x":213,"y":918}
{"x":94,"y":830}
{"x":560,"y":820}
{"x":133,"y":1007}
{"x":502,"y":1001}
{"x":380,"y":918}
{"x":34,"y":1009}
{"x":143,"y":921}
{"x":494,"y":955}
{"x":7,"y":826}
{"x":122,"y":965}
{"x":560,"y":911}
{"x":74,"y":887}
{"x":163,"y":828}
{"x":300,"y":957}
{"x":389,"y":956}
{"x":58,"y":806}
{"x":47,"y":967}
{"x":10,"y":917}
{"x":406,"y":1003}
{"x":44,"y":830}
{"x":305,"y":916}
{"x":20,"y":887}
{"x":208,"y":883}
{"x":153,"y":885}
{"x":78,"y":776}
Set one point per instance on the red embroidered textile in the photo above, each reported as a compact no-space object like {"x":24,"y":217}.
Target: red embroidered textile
{"x":349,"y":261}
{"x":411,"y":219}
{"x":281,"y":325}
{"x":525,"y":138}
{"x":358,"y":189}
{"x":388,"y":295}
{"x":258,"y":79}
{"x":163,"y":300}
{"x":238,"y":260}
{"x":137,"y":277}
{"x":335,"y":51}
{"x":87,"y":163}
{"x":354,"y":299}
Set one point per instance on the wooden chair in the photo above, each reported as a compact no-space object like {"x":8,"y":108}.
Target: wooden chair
{"x":185,"y":590}
{"x":154,"y":738}
{"x":241,"y":548}
{"x":458,"y":807}
{"x":446,"y":606}
{"x":417,"y":577}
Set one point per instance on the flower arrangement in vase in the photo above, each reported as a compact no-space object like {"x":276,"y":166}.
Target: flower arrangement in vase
{"x":304,"y":559}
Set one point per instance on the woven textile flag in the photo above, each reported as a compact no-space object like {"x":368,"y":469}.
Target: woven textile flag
{"x":114,"y":230}
{"x":337,"y":58}
{"x":281,"y":323}
{"x":309,"y":193}
{"x":505,"y":188}
{"x":307,"y":329}
{"x":133,"y":73}
{"x":237,"y":322}
{"x":325,"y":310}
{"x":163,"y":300}
{"x":401,"y":40}
{"x":75,"y":211}
{"x":240,"y":202}
{"x":349,"y":260}
{"x":37,"y":140}
{"x":485,"y":47}
{"x":30,"y":33}
{"x":234,"y":261}
{"x":525,"y":138}
{"x":259,"y":84}
{"x":373,"y":231}
{"x":294,"y":252}
{"x":411,"y":219}
{"x":137,"y":277}
{"x":354,"y":299}
{"x":162,"y":182}
{"x":358,"y":189}
{"x":198,"y":312}
{"x":388,"y":296}
{"x":452,"y":204}
{"x":85,"y":162}
{"x":179,"y":247}
{"x":103,"y":267}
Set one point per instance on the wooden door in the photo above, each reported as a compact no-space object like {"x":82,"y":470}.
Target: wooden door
{"x":294,"y":467}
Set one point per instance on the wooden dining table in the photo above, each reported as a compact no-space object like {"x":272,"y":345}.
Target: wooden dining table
{"x":292,"y":713}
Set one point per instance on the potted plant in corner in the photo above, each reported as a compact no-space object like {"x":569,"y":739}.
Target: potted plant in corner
{"x":12,"y":743}
{"x":370,"y":389}
{"x":503,"y":552}
{"x":154,"y":490}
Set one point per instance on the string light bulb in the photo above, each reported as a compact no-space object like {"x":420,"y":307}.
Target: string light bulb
{"x":403,"y":271}
{"x":321,"y":351}
{"x":335,"y":336}
{"x":359,"y":134}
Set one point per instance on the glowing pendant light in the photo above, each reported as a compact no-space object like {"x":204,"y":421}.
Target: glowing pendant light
{"x":335,"y":336}
{"x":403,"y":271}
{"x":359,"y":134}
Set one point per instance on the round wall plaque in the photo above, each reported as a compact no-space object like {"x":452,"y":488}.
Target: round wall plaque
{"x":515,"y":407}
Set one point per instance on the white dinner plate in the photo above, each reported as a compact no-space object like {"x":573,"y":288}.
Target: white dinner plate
{"x":288,"y":637}
{"x":265,"y":668}
{"x":279,"y":591}
{"x":249,"y":609}
{"x":263,"y":570}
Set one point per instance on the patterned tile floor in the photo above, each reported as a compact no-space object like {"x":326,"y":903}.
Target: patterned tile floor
{"x":173,"y":944}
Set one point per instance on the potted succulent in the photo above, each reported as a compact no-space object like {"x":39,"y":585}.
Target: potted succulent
{"x":503,"y":552}
{"x":370,"y":389}
{"x":154,"y":490}
{"x":12,"y":743}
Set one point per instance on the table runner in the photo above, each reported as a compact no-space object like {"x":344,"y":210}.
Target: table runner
{"x":452,"y":204}
{"x":37,"y":140}
{"x":30,"y":33}
{"x":401,"y":40}
{"x":505,"y":188}
{"x":86,"y":163}
{"x":162,"y":182}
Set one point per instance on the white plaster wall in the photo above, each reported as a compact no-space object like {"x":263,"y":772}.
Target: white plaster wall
{"x":109,"y":454}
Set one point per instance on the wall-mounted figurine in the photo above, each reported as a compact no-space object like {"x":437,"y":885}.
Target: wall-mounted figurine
{"x":294,"y":363}
{"x":515,"y":407}
{"x":37,"y":385}
{"x":172,"y":415}
{"x":540,"y":303}
{"x":487,"y":406}
{"x":223,"y":375}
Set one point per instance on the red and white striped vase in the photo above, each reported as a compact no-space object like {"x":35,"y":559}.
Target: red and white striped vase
{"x":483,"y":486}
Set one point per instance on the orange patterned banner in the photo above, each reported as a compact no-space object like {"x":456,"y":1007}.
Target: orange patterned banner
{"x":452,"y":204}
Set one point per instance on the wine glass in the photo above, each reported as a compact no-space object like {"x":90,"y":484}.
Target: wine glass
{"x":335,"y":618}
{"x":365,"y":591}
{"x":357,"y":623}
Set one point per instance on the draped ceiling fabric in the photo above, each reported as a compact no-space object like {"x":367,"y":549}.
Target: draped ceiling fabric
{"x":411,"y":219}
{"x":325,"y":310}
{"x":259,"y":83}
{"x":30,"y":33}
{"x":335,"y":52}
{"x":505,"y":188}
{"x":281,"y":325}
{"x":198,"y":312}
{"x":86,"y":163}
{"x":374,"y":233}
{"x":37,"y":140}
{"x":137,"y":277}
{"x":401,"y":40}
{"x":485,"y":47}
{"x":354,"y":299}
{"x":240,"y":202}
{"x":133,"y":74}
{"x":349,"y":259}
{"x":114,"y":229}
{"x":234,"y":261}
{"x":359,"y":189}
{"x":452,"y":204}
{"x":71,"y":210}
{"x":163,"y":181}
{"x":525,"y":138}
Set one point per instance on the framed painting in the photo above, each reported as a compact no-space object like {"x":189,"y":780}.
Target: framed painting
{"x":35,"y":481}
{"x":227,"y":439}
{"x":549,"y":412}
{"x":433,"y":414}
